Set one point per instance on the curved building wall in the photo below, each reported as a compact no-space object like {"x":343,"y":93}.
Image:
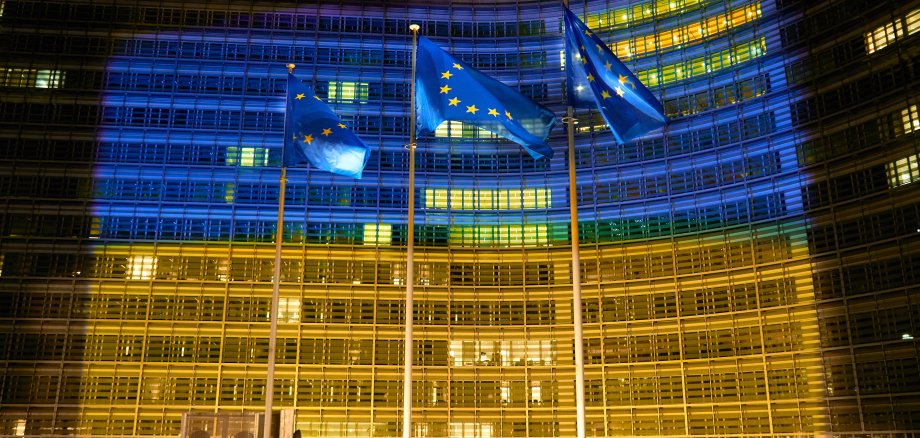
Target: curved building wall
{"x":746,"y":271}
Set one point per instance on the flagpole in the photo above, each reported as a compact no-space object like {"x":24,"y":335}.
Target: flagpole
{"x":410,"y":256}
{"x":576,"y":277}
{"x":276,"y":286}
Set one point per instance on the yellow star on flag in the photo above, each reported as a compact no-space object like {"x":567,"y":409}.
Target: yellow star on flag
{"x":590,"y":77}
{"x":619,"y":91}
{"x":598,"y":47}
{"x":458,"y":66}
{"x":508,"y":115}
{"x":342,"y":125}
{"x":446,"y":75}
{"x":445,"y":89}
{"x":454,"y":102}
{"x":493,"y":112}
{"x":584,"y":60}
{"x":308,"y":138}
{"x":317,"y":98}
{"x":607,"y":65}
{"x":472,"y":109}
{"x":605,"y":94}
{"x":625,"y":80}
{"x":299,"y":96}
{"x":327,"y":131}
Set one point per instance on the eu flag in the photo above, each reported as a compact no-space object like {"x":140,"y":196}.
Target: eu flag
{"x":595,"y":78}
{"x":449,"y":89}
{"x":313,"y":133}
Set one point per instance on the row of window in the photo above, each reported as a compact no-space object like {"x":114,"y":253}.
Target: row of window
{"x":637,"y":12}
{"x":676,"y":182}
{"x":858,"y":137}
{"x":694,"y":219}
{"x":866,"y":229}
{"x":135,"y":15}
{"x":31,"y":78}
{"x":625,"y":347}
{"x":862,"y":277}
{"x":705,"y":344}
{"x":717,"y":97}
{"x":885,"y":35}
{"x":703,"y":65}
{"x":305,"y":55}
{"x":673,"y":145}
{"x":851,"y":94}
{"x":733,"y":254}
{"x":738,"y":297}
{"x":688,"y":34}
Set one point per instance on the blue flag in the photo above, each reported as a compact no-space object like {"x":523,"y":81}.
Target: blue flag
{"x":314,"y":134}
{"x":595,"y":78}
{"x":449,"y":89}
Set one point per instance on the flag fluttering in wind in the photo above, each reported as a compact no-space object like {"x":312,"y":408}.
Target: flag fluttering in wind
{"x":449,"y":89}
{"x":595,"y":78}
{"x":314,"y":134}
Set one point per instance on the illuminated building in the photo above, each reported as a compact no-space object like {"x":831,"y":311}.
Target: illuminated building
{"x":751,"y":270}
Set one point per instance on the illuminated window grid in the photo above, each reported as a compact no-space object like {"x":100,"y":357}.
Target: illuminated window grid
{"x":903,"y":171}
{"x":488,"y":199}
{"x":247,"y":156}
{"x":454,"y":129}
{"x":703,"y":65}
{"x":378,"y":234}
{"x":884,"y":35}
{"x":910,"y":119}
{"x":499,"y":235}
{"x":625,"y":16}
{"x":686,"y":34}
{"x":720,"y":341}
{"x":348,"y":91}
{"x":31,"y":78}
{"x":724,"y":362}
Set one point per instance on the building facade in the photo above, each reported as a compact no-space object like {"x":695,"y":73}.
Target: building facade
{"x":748,"y":270}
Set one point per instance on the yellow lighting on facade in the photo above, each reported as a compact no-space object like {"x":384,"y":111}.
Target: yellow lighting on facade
{"x":488,"y":199}
{"x":141,"y":267}
{"x":246,"y":156}
{"x":378,"y":234}
{"x":348,"y":91}
{"x":903,"y":171}
{"x":499,"y":235}
{"x":454,"y":129}
{"x":624,"y":16}
{"x":888,"y":33}
{"x":687,"y":34}
{"x":31,"y":78}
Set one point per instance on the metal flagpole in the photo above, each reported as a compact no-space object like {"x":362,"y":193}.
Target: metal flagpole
{"x":576,"y":278}
{"x":276,"y":286}
{"x":410,"y":256}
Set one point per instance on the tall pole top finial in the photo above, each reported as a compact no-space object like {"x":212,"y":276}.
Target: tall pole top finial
{"x":291,"y":68}
{"x":414,"y":27}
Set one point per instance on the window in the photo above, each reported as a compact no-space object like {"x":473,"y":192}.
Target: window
{"x":453,"y":129}
{"x":348,"y":92}
{"x":27,"y":77}
{"x":910,"y":119}
{"x":289,"y":310}
{"x":378,"y":234}
{"x":884,"y":35}
{"x":686,"y":34}
{"x":903,"y":171}
{"x":704,"y":64}
{"x":142,"y":267}
{"x":247,"y":157}
{"x":488,"y":199}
